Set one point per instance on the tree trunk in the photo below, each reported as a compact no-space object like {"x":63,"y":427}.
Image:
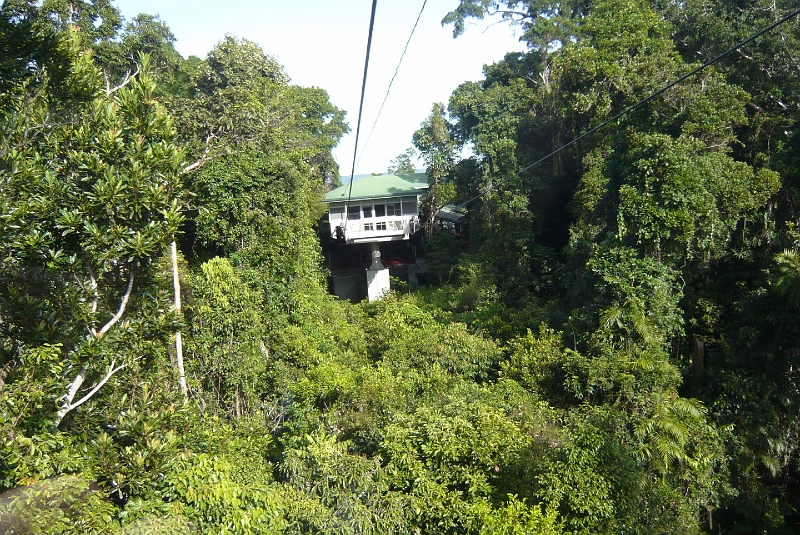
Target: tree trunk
{"x":68,"y":405}
{"x":176,"y":282}
{"x":431,"y":215}
{"x":238,"y":394}
{"x":698,"y":364}
{"x":73,"y":389}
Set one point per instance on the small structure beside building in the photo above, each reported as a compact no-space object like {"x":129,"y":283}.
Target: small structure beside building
{"x":449,"y":218}
{"x":379,"y":209}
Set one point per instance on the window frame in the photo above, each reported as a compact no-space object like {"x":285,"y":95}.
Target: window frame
{"x":409,"y":202}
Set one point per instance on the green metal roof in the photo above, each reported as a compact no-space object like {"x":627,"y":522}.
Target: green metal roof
{"x":380,"y":186}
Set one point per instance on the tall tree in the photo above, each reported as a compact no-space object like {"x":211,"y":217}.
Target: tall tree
{"x":404,"y":163}
{"x":676,"y":190}
{"x":547,"y":24}
{"x":90,"y":200}
{"x":148,"y":34}
{"x":240,"y":98}
{"x":438,"y":150}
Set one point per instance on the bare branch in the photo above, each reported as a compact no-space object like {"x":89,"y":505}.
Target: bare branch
{"x":121,"y":310}
{"x":128,"y":77}
{"x":204,"y":158}
{"x":78,"y":381}
{"x":92,"y":287}
{"x":741,"y":53}
{"x":486,"y":28}
{"x":509,"y":14}
{"x":73,"y":389}
{"x":67,"y":406}
{"x":111,"y":371}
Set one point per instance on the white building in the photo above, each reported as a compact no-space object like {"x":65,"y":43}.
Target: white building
{"x":380,"y":208}
{"x":376,"y":209}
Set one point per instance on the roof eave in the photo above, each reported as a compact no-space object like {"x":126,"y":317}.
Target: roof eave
{"x":367,"y":197}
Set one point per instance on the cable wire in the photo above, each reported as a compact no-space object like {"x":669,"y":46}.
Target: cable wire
{"x":360,"y":110}
{"x":634,"y":106}
{"x":396,"y":70}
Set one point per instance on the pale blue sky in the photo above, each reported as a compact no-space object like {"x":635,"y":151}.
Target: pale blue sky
{"x":322,"y":43}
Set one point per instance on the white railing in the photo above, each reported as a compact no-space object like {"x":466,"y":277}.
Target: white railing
{"x":377,"y":227}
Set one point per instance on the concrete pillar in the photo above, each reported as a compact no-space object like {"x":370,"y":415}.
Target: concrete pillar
{"x":377,"y":275}
{"x":413,"y":283}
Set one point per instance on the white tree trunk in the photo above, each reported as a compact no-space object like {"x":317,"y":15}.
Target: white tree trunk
{"x":73,"y":389}
{"x":176,"y":282}
{"x":68,"y":405}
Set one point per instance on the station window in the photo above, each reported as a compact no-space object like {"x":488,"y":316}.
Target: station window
{"x":409,"y":206}
{"x":369,"y":226}
{"x":367,"y":211}
{"x":353,"y":212}
{"x":380,"y":226}
{"x":336,"y":213}
{"x":380,"y":210}
{"x":393,"y":209}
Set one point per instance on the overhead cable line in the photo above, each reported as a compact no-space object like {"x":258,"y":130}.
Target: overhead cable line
{"x":396,"y":70}
{"x":360,"y":109}
{"x":634,"y":106}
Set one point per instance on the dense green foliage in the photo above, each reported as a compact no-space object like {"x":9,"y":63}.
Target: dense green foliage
{"x":611,"y":346}
{"x":662,"y":244}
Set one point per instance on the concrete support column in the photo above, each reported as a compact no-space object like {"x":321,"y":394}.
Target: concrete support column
{"x":377,"y":275}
